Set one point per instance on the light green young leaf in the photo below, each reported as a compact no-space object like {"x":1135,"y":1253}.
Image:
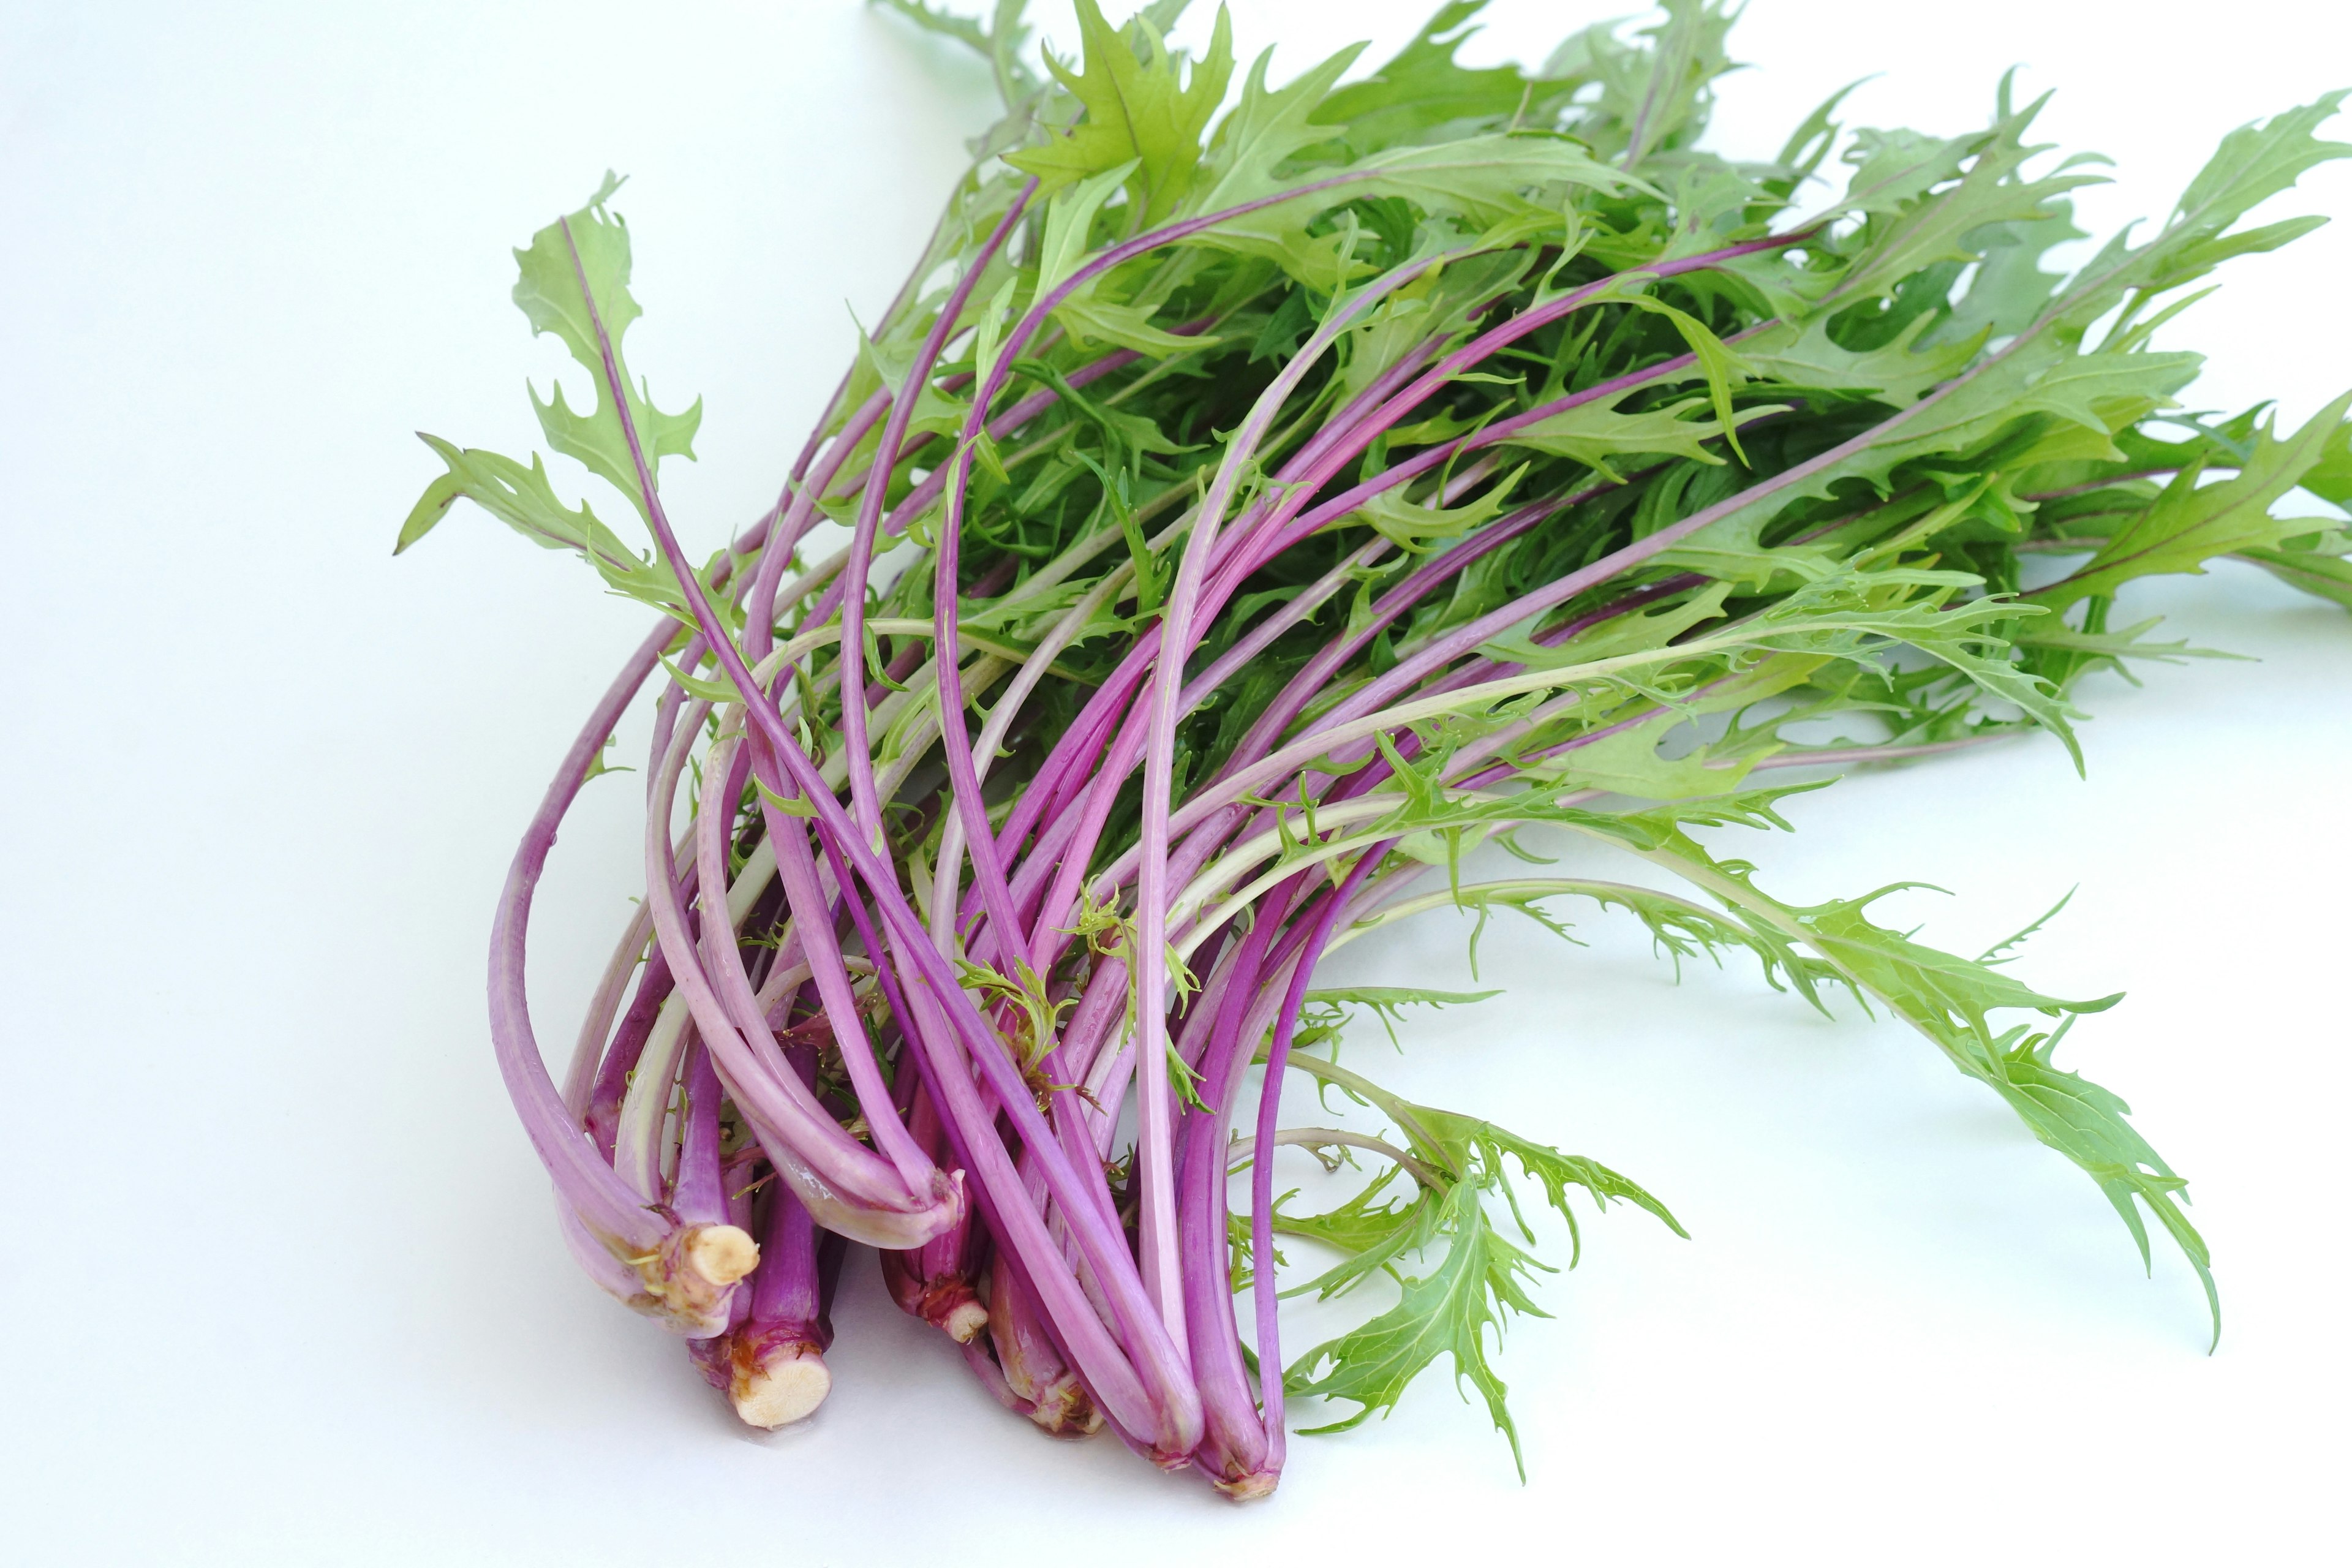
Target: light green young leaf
{"x":1142,"y":113}
{"x":525,"y":500}
{"x":1070,"y":221}
{"x":1264,"y":130}
{"x":574,"y":278}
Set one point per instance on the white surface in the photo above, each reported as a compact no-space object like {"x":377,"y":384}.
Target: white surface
{"x":283,"y":1286}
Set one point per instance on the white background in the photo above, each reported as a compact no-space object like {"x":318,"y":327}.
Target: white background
{"x":281,"y":1286}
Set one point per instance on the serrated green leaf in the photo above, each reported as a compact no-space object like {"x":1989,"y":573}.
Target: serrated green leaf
{"x":1416,"y":526}
{"x":575,"y":275}
{"x":1423,"y":89}
{"x":1143,"y":112}
{"x":1952,"y":224}
{"x":523,"y":499}
{"x":1448,"y":1312}
{"x":1593,"y":433}
{"x":1804,"y":357}
{"x":2193,"y":523}
{"x":2316,"y":572}
{"x":1949,"y":999}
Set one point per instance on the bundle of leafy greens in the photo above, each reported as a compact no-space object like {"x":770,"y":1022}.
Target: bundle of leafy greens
{"x":1256,"y":496}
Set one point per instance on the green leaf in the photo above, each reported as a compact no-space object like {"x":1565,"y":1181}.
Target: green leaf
{"x":2009,"y":289}
{"x":1446,"y":1312}
{"x":1627,"y":761}
{"x":1069,"y":221}
{"x":1720,"y":367}
{"x":1593,"y":433}
{"x":1920,"y":980}
{"x":430,"y":508}
{"x":1266,"y":129}
{"x":1370,"y":1220}
{"x":2253,"y":163}
{"x":1374,"y":1236}
{"x":723,"y":690}
{"x":1091,"y":321}
{"x":1489,"y":182}
{"x":1415,"y":526}
{"x":2190,"y":523}
{"x":1804,"y":357}
{"x":1948,"y":999}
{"x":1140,"y":111}
{"x":2096,"y":394}
{"x":1478,"y":1145}
{"x":2114,"y":646}
{"x":1656,"y":95}
{"x":2328,"y":576}
{"x":2330,"y":479}
{"x":1652,"y":627}
{"x":1388,"y":1001}
{"x":1422,"y":90}
{"x":575,"y":275}
{"x":1895,"y":169}
{"x":525,"y":502}
{"x":1439,"y":304}
{"x":1968,"y":638}
{"x":1954,"y":223}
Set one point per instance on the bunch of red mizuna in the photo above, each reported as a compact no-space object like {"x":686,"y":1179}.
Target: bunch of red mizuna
{"x":1257,"y":497}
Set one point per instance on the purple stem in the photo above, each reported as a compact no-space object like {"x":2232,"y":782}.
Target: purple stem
{"x":604,"y":1203}
{"x":865,"y":808}
{"x":1269,"y":1116}
{"x":698,"y":1196}
{"x":1154,"y":1154}
{"x":784,"y":1288}
{"x":653,"y":987}
{"x":1233,"y":1443}
{"x":794,"y":522}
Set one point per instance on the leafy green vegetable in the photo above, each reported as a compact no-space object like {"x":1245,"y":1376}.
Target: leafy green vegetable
{"x":1260,"y":494}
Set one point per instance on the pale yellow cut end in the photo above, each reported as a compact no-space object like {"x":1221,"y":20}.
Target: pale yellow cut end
{"x":964,"y":1320}
{"x":1251,"y":1487}
{"x":786,"y":1391}
{"x":722,"y":1254}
